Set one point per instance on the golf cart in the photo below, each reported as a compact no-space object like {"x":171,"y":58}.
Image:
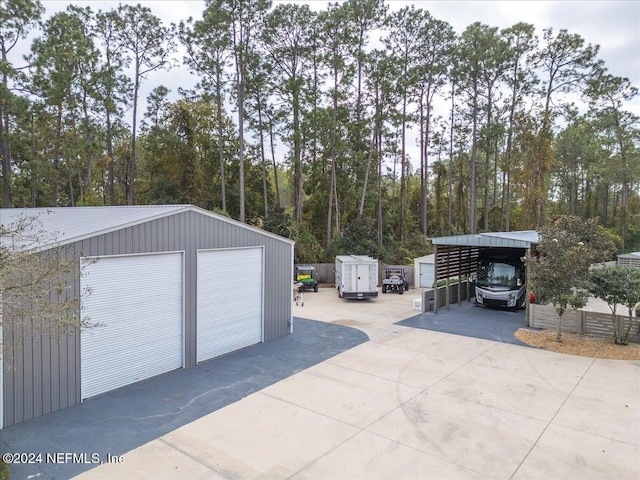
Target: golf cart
{"x":306,"y":276}
{"x":395,"y":279}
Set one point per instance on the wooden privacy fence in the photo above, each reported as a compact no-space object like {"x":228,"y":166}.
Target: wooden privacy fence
{"x":582,"y":321}
{"x":325,"y":272}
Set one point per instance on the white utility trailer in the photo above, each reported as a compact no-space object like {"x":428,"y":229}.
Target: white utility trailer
{"x":356,"y":276}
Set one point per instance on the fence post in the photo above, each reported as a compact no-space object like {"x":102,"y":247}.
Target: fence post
{"x":531,"y":311}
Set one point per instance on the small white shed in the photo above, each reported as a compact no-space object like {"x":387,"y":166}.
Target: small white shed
{"x":424,"y":271}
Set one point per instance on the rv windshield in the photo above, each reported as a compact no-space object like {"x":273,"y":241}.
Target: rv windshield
{"x":495,"y":274}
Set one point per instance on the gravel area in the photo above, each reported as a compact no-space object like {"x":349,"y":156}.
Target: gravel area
{"x":583,"y":345}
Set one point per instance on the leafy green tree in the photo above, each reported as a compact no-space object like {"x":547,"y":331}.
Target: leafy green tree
{"x":245,"y":19}
{"x":287,"y":40}
{"x":208,"y":44}
{"x":357,"y":238}
{"x":17,"y":18}
{"x":617,"y":285}
{"x":620,"y":133}
{"x":336,"y":38}
{"x":148,"y":45}
{"x":279,"y":222}
{"x":494,"y":66}
{"x":308,"y":248}
{"x":59,"y":61}
{"x":115,"y":87}
{"x":475,"y":55}
{"x":520,"y":80}
{"x":566,"y":65}
{"x":405,"y":33}
{"x":577,"y":153}
{"x":435,"y":50}
{"x":568,"y":245}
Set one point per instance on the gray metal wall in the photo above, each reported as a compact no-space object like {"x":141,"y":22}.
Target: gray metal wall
{"x":42,"y":375}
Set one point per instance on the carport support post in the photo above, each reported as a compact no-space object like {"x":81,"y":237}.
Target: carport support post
{"x":435,"y":280}
{"x":528,"y":258}
{"x":459,"y":274}
{"x":446,"y":292}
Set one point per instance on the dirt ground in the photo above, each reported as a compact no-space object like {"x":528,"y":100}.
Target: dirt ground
{"x":583,"y":345}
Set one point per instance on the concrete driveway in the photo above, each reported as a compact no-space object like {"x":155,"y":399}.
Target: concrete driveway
{"x":412,"y":403}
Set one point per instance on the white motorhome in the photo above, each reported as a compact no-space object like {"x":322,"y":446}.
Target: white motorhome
{"x":500,"y":281}
{"x":356,"y":276}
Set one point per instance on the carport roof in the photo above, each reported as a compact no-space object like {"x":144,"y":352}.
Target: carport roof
{"x":521,"y":239}
{"x":630,"y":255}
{"x":63,"y":225}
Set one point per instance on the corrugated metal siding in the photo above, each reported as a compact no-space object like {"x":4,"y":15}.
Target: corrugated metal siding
{"x":56,"y":368}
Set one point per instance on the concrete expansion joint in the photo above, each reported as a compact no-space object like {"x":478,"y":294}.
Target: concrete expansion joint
{"x":297,"y":405}
{"x":551,"y":420}
{"x":187,"y":454}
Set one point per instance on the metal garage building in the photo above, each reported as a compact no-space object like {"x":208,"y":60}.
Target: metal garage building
{"x":171,"y":286}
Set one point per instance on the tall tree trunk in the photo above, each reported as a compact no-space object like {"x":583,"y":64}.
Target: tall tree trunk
{"x":275,"y":166}
{"x":5,"y":143}
{"x":110,"y":160}
{"x":223,"y":186}
{"x":473,"y":209}
{"x":32,"y":170}
{"x":265,"y":191}
{"x":56,"y":157}
{"x":334,"y":139}
{"x":403,"y":165}
{"x":379,"y":151}
{"x":366,"y":174}
{"x":423,"y":152}
{"x":487,"y":169}
{"x":297,"y":154}
{"x":450,"y":189}
{"x":241,"y":148}
{"x":132,"y":166}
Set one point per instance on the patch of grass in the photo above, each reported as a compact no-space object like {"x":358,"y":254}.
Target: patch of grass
{"x":4,"y":471}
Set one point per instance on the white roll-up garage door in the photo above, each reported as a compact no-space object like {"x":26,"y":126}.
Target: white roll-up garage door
{"x":138,"y":302}
{"x":229,"y":300}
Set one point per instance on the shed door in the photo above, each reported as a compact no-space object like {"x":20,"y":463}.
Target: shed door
{"x":426,"y":275}
{"x":138,"y":302}
{"x":229,"y":303}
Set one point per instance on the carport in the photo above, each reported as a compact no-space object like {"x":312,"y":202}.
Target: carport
{"x":457,"y":257}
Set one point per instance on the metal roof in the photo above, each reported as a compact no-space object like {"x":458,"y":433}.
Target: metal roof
{"x":64,"y":225}
{"x":630,"y":255}
{"x":521,"y":239}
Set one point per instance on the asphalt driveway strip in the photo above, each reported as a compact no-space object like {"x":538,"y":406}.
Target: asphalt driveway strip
{"x":472,"y":320}
{"x":119,"y":421}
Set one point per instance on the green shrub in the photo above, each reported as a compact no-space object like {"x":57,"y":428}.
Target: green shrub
{"x":4,"y":470}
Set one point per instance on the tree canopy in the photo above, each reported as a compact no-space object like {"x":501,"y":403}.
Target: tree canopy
{"x":358,"y":114}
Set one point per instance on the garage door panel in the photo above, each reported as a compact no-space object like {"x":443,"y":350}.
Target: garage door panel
{"x":229,"y":305}
{"x":138,"y":303}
